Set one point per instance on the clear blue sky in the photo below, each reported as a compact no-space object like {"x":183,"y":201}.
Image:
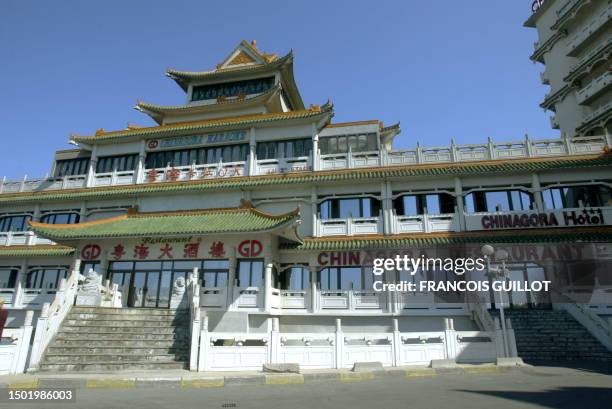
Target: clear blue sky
{"x":443,"y":68}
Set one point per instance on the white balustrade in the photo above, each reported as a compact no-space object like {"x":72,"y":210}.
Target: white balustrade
{"x":295,"y":299}
{"x":248,"y":297}
{"x":350,"y":226}
{"x":213,"y":297}
{"x":420,"y":155}
{"x":342,"y":349}
{"x":195,"y":318}
{"x":13,"y":355}
{"x":425,"y":223}
{"x":21,"y":238}
{"x":283,"y":165}
{"x":52,"y":316}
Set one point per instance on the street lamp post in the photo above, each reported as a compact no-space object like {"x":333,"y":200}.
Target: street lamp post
{"x":498,"y":273}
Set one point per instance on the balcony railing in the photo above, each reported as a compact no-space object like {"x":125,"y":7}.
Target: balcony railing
{"x":454,"y":153}
{"x":425,"y":223}
{"x":350,"y":226}
{"x":576,"y":42}
{"x":595,"y":88}
{"x":21,"y":238}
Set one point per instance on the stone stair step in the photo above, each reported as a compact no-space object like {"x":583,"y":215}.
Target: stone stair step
{"x":112,"y":366}
{"x":118,"y":323}
{"x":119,"y":350}
{"x":127,"y":311}
{"x":97,"y":329}
{"x":93,"y":358}
{"x":127,"y":317}
{"x":118,"y":342}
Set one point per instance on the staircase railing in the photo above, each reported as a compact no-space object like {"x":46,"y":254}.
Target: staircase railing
{"x":480,"y":313}
{"x":597,"y":326}
{"x":193,"y":297}
{"x":52,"y":316}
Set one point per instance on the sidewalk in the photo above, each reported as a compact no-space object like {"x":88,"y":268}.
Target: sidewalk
{"x":190,"y":380}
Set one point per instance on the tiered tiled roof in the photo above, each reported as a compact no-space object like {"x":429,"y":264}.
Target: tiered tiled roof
{"x":134,"y":224}
{"x":205,"y":125}
{"x":558,"y":235}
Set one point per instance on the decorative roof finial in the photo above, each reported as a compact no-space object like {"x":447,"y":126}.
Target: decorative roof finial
{"x":254,"y":43}
{"x":100,"y":132}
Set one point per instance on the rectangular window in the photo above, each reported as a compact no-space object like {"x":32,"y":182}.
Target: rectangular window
{"x":61,"y":218}
{"x":250,"y":273}
{"x":200,"y":156}
{"x":504,"y":200}
{"x":330,"y":145}
{"x":433,"y":203}
{"x":45,"y":278}
{"x":293,"y":148}
{"x":349,"y":207}
{"x":71,"y":167}
{"x":8,"y":277}
{"x":14,"y":223}
{"x":121,"y":163}
{"x":295,"y":278}
{"x":232,"y":89}
{"x":347,"y":278}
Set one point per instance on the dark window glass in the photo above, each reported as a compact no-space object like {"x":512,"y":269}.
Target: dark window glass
{"x":212,"y":155}
{"x":120,"y":163}
{"x":232,"y":89}
{"x":284,"y":149}
{"x":330,"y":145}
{"x":61,"y":218}
{"x":295,"y":278}
{"x":349,"y":207}
{"x":47,"y":278}
{"x":71,"y":167}
{"x":433,"y":203}
{"x":573,"y":196}
{"x":250,"y":273}
{"x":14,"y":223}
{"x":8,"y":277}
{"x":504,"y":200}
{"x":346,"y":278}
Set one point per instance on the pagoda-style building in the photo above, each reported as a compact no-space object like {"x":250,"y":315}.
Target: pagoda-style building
{"x":242,"y":228}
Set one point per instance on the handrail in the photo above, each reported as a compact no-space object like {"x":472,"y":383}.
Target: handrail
{"x":52,"y":316}
{"x":195,"y":319}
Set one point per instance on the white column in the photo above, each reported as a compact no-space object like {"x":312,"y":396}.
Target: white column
{"x":460,"y":203}
{"x":313,"y":289}
{"x":20,"y":284}
{"x":251,"y":165}
{"x":387,"y":207}
{"x":339,"y":342}
{"x":231,"y":280}
{"x":313,"y":207}
{"x":91,"y":171}
{"x":316,"y":157}
{"x":536,"y":189}
{"x":268,"y":282}
{"x":397,"y":344}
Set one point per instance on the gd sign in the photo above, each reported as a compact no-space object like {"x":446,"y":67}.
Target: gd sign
{"x":250,"y":248}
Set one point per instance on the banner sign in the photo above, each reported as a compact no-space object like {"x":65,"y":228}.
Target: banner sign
{"x":530,"y":219}
{"x":195,"y":140}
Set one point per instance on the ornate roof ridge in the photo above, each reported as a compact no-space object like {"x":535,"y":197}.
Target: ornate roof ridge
{"x":213,"y":122}
{"x":180,"y":76}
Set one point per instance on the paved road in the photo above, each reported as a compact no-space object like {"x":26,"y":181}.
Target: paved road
{"x":535,"y":387}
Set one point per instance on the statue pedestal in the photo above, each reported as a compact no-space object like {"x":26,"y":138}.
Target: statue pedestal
{"x":178,"y":301}
{"x":92,"y":300}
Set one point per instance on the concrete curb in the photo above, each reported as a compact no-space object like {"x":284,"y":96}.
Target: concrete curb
{"x":194,"y":381}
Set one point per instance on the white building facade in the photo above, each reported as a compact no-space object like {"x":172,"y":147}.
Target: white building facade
{"x":575,"y":40}
{"x":258,"y":220}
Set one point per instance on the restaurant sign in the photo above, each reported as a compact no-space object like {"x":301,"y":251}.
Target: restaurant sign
{"x":195,"y":140}
{"x":528,"y":220}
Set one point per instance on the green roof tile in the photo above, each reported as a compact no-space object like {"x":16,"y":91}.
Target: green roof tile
{"x":33,"y":251}
{"x":432,"y":239}
{"x":168,"y":224}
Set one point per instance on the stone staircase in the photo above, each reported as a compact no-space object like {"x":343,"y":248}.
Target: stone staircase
{"x":554,"y":335}
{"x":111,"y":339}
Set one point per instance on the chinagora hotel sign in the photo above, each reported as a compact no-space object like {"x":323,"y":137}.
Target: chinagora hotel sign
{"x":559,"y":218}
